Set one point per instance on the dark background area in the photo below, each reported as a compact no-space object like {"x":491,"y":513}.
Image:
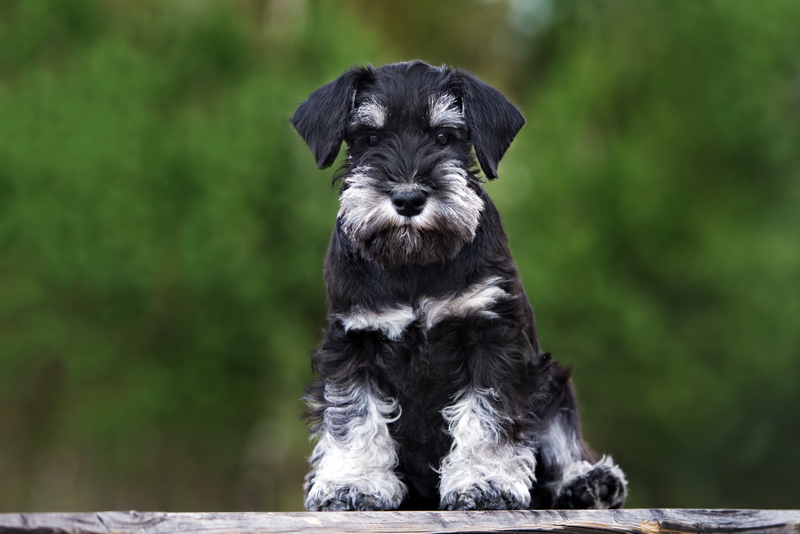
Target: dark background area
{"x":162,"y":231}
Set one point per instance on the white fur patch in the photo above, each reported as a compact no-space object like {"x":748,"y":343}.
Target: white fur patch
{"x":458,"y":203}
{"x":480,"y":457}
{"x":371,"y":114}
{"x":355,"y":450}
{"x":363,"y":205}
{"x":560,"y":447}
{"x":391,"y":322}
{"x":475,"y":299}
{"x":442,"y":112}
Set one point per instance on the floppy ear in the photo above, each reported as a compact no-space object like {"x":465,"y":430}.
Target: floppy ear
{"x":492,"y":120}
{"x":320,"y":120}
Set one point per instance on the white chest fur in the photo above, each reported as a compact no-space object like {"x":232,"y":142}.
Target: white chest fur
{"x":478,"y":298}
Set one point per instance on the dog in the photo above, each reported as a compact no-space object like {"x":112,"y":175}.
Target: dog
{"x":432,"y":390}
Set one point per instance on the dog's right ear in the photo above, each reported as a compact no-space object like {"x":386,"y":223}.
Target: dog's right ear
{"x":320,"y":120}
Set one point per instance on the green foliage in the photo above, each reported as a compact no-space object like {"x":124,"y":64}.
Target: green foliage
{"x":162,"y":231}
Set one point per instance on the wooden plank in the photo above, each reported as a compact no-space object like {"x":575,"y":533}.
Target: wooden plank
{"x":643,"y":521}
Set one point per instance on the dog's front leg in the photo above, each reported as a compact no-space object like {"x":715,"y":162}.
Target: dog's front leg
{"x":485,"y":469}
{"x":355,"y":456}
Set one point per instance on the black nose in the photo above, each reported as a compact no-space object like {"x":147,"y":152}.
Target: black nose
{"x":408,"y":203}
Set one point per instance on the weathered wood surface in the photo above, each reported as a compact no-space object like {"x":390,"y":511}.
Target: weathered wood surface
{"x":645,"y":521}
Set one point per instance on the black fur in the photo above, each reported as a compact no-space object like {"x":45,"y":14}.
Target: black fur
{"x":321,"y":120}
{"x":385,"y":117}
{"x":493,"y":121}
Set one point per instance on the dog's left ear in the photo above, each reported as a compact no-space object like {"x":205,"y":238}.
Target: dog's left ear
{"x":492,"y":120}
{"x":320,"y":120}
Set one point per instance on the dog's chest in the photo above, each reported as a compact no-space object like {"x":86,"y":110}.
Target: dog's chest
{"x":419,"y":318}
{"x":424,"y":350}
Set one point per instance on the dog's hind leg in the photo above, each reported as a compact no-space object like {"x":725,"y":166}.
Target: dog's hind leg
{"x":355,"y":456}
{"x":568,"y":471}
{"x":485,"y":469}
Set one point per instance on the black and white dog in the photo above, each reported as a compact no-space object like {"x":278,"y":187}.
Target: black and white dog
{"x":432,"y":391}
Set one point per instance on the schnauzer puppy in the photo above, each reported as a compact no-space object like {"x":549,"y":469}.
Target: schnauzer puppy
{"x":432,"y":390}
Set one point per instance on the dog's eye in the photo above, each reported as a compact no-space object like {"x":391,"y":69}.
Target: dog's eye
{"x":442,"y":139}
{"x":373,"y":140}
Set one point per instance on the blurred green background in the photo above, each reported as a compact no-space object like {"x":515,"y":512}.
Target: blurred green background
{"x":162,"y":231}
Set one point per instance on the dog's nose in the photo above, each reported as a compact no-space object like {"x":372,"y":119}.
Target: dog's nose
{"x":409,"y":203}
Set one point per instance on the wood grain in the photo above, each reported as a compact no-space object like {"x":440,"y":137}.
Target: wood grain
{"x":644,"y":521}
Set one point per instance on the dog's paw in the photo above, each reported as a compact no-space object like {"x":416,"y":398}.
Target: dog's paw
{"x":602,"y":485}
{"x":485,"y":497}
{"x":327,"y":497}
{"x":346,"y":499}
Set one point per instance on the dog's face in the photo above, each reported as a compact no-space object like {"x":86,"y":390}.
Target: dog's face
{"x":409,"y":194}
{"x":410,"y":191}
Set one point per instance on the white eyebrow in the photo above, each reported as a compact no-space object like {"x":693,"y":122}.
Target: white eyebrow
{"x":442,"y":111}
{"x":370,"y":113}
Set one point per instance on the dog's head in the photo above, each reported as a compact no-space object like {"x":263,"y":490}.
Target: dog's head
{"x":410,"y":191}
